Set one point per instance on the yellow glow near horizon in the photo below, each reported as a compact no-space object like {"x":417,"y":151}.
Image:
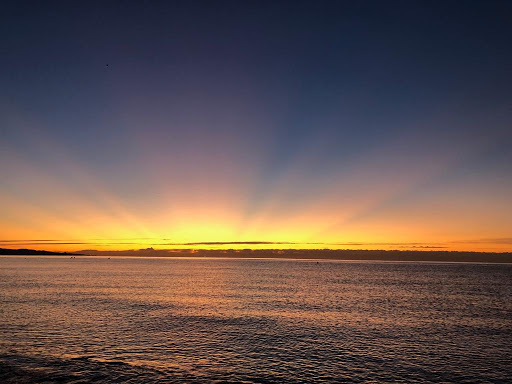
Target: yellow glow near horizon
{"x":218,"y":201}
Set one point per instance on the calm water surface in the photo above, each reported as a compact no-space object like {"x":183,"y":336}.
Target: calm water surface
{"x":212,"y":320}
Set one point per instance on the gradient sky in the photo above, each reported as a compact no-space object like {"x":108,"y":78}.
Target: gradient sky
{"x":321,"y":124}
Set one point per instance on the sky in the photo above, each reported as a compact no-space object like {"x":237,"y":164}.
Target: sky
{"x":256,"y":124}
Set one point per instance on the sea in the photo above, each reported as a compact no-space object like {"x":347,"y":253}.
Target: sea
{"x":206,"y":320}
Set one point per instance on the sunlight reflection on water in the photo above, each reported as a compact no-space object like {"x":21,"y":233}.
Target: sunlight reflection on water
{"x":121,"y":319}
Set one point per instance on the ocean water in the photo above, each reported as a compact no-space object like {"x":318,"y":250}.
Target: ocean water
{"x":228,"y":320}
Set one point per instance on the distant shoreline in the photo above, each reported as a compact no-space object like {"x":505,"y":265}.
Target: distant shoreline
{"x":33,"y":252}
{"x":297,"y":254}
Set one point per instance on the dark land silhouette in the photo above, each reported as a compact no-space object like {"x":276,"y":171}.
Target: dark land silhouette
{"x":326,"y":254}
{"x":30,"y":252}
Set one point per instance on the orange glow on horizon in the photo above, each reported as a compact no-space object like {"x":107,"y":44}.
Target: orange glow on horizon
{"x":378,"y":201}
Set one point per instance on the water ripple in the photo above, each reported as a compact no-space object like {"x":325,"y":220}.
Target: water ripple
{"x":253,"y":321}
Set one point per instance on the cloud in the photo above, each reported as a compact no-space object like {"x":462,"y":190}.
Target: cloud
{"x":237,"y":243}
{"x":500,"y":240}
{"x":423,"y":247}
{"x":158,"y":242}
{"x":58,"y":242}
{"x":165,"y":242}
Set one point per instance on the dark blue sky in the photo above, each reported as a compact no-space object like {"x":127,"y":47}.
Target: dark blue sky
{"x":284,"y":104}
